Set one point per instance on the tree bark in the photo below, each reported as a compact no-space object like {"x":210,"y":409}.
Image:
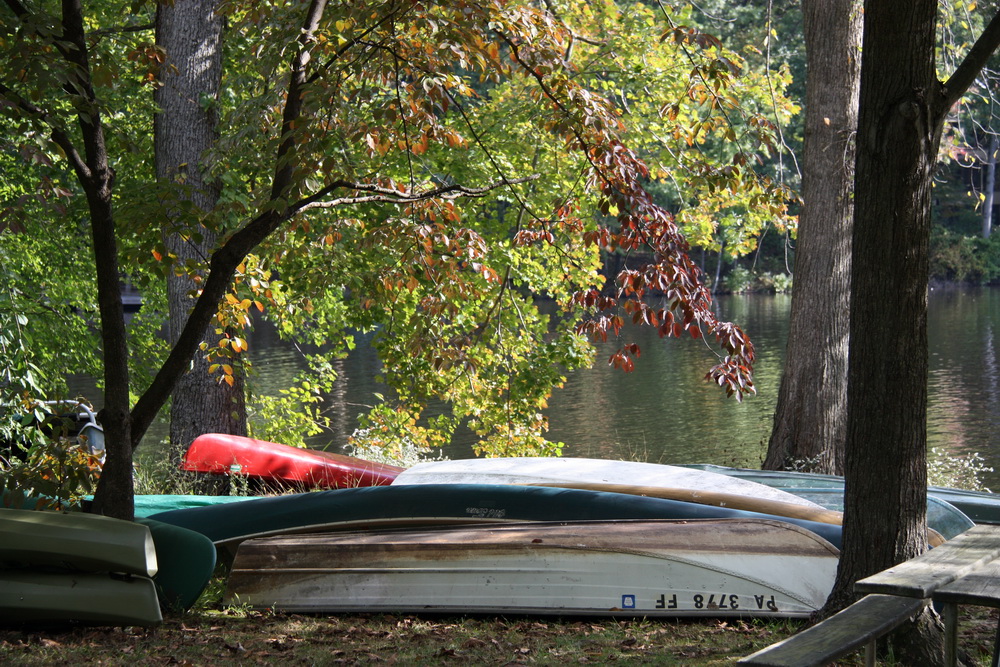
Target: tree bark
{"x":898,"y":135}
{"x":991,"y":184}
{"x":114,"y":495}
{"x":811,"y":414}
{"x":185,"y":129}
{"x":902,"y":111}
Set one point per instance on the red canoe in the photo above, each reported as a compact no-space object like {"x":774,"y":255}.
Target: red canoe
{"x":224,"y":454}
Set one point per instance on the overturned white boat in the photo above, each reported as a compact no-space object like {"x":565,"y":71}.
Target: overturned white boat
{"x":676,"y":482}
{"x":711,"y":567}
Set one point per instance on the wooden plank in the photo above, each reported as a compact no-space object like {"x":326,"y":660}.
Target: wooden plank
{"x":921,"y":576}
{"x":863,"y":622}
{"x":979,"y":587}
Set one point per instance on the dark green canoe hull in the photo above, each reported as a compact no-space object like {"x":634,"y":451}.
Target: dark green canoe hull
{"x":29,"y":597}
{"x":437,"y":504}
{"x":186,"y":559}
{"x":980,"y":507}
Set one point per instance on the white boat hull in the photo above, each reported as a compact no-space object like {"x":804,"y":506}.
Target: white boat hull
{"x":570,"y":471}
{"x":728,"y":567}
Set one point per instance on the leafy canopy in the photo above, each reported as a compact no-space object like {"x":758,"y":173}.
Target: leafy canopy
{"x":423,"y":170}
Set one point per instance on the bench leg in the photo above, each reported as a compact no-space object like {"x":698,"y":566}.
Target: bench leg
{"x":950,"y":613}
{"x":996,"y":647}
{"x":870,"y":654}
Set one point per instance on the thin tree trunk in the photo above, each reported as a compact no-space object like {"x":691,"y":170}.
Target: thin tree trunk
{"x":114,"y":496}
{"x":190,"y":32}
{"x":991,"y":184}
{"x":811,"y":413}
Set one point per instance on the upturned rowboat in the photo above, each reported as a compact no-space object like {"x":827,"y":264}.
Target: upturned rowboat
{"x":567,"y":472}
{"x":605,"y":568}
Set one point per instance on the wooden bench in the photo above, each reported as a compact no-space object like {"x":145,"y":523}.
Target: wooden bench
{"x":859,"y":625}
{"x":894,"y":595}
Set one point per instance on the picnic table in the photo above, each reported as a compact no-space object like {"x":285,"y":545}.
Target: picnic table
{"x":964,"y":570}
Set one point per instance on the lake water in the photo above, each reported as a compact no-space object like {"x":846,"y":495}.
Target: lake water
{"x":666,"y":412}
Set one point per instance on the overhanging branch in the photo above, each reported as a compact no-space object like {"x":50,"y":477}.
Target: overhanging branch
{"x":390,"y":196}
{"x":971,"y":66}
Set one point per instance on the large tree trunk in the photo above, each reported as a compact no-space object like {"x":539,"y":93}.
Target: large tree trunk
{"x":902,"y":110}
{"x":898,"y":133}
{"x":811,"y":414}
{"x":190,"y":32}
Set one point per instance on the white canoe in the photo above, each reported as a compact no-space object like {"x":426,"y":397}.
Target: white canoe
{"x":572,"y":472}
{"x":712,"y":567}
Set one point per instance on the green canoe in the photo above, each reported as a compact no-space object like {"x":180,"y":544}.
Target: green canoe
{"x":75,"y":541}
{"x":187,"y":561}
{"x":980,"y":507}
{"x":179,"y":561}
{"x":93,"y":598}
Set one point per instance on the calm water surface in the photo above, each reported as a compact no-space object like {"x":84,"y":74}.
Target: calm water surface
{"x":664,"y":411}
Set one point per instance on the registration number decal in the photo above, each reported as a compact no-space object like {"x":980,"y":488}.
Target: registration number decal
{"x":714,"y":601}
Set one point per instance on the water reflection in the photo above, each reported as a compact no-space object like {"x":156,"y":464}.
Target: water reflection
{"x":665,"y":411}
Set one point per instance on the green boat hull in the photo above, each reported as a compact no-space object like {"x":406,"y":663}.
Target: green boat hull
{"x":75,"y":541}
{"x":30,"y":597}
{"x":187,"y":560}
{"x":980,"y":507}
{"x":436,"y":504}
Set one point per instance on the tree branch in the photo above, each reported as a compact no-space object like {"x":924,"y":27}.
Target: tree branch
{"x":969,"y":69}
{"x":58,"y":134}
{"x":390,"y":196}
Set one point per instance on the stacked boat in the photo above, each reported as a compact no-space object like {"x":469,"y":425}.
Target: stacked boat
{"x":521,"y":535}
{"x":58,"y":567}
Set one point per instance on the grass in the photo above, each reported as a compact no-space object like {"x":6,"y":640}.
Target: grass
{"x":238,"y":636}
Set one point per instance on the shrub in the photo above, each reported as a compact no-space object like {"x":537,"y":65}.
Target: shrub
{"x":966,"y":259}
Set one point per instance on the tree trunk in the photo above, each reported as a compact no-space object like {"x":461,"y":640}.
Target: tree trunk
{"x":114,"y":494}
{"x":185,"y":128}
{"x":898,"y":135}
{"x":811,"y":414}
{"x":991,"y":184}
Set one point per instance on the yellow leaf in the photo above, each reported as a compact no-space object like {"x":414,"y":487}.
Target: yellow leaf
{"x":227,"y":369}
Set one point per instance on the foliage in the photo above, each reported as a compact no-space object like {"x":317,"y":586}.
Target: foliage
{"x":958,"y":472}
{"x":50,"y":472}
{"x":405,"y":455}
{"x":740,"y":279}
{"x":968,"y":259}
{"x":296,"y":414}
{"x":374,"y":176}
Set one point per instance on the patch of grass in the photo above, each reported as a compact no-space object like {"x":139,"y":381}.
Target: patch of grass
{"x":243,"y":636}
{"x":255,"y":638}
